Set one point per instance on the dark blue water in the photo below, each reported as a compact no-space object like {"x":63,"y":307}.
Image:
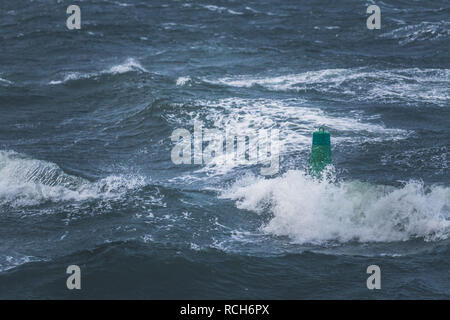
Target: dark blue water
{"x":86,"y":175}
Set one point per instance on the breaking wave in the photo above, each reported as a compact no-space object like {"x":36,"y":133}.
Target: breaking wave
{"x":311,"y":211}
{"x":181,"y":81}
{"x":25,"y":181}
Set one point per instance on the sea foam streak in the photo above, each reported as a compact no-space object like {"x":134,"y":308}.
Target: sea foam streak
{"x":424,"y":31}
{"x":12,"y":260}
{"x":5,"y":81}
{"x":309,"y":211}
{"x":221,"y":9}
{"x":292,"y":117}
{"x":26,"y":182}
{"x":409,"y":85}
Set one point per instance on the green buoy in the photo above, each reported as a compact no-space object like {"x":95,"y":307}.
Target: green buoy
{"x":320,"y":152}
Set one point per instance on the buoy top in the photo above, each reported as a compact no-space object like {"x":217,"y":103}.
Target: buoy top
{"x":321,"y":137}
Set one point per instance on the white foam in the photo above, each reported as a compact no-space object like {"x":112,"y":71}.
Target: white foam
{"x":294,"y":120}
{"x":8,"y":261}
{"x":286,"y":82}
{"x":214,"y":8}
{"x":129,"y":65}
{"x":181,"y":81}
{"x":234,"y":12}
{"x":309,"y":211}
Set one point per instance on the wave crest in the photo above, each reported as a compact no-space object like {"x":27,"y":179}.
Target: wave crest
{"x":130,"y":65}
{"x":407,"y":85}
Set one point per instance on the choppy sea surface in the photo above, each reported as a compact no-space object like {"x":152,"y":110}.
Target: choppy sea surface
{"x":86,"y":176}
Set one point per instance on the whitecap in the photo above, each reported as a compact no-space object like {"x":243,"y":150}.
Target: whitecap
{"x":181,"y":81}
{"x":5,"y":81}
{"x":25,"y":181}
{"x":311,"y":211}
{"x":409,"y":85}
{"x":130,"y":65}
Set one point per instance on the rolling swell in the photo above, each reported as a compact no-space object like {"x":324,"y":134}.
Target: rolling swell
{"x":134,"y":266}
